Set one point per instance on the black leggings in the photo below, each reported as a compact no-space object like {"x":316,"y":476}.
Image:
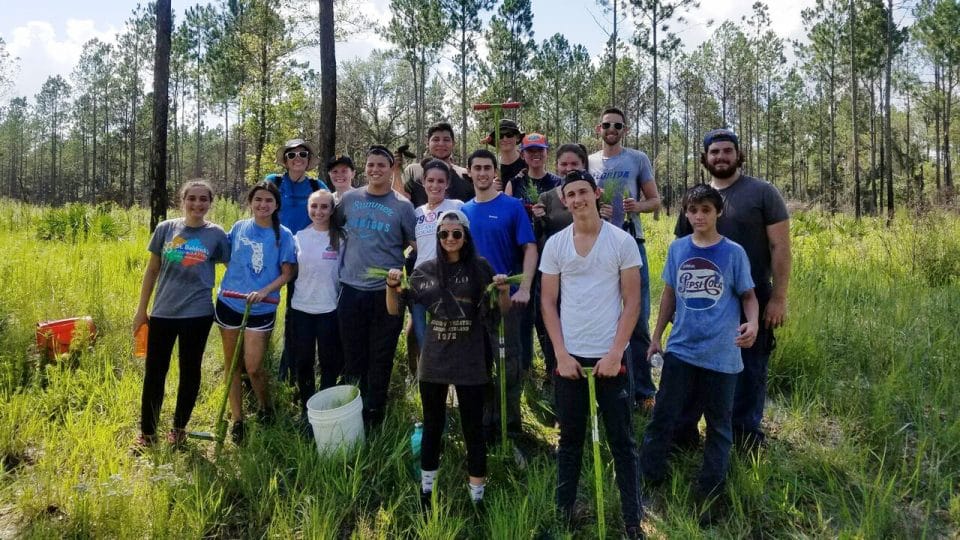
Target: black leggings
{"x":433,"y":396}
{"x":192,"y":335}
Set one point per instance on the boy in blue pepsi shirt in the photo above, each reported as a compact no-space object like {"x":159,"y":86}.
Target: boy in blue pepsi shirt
{"x":706,"y":282}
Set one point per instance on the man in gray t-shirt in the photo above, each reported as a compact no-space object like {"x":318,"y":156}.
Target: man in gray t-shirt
{"x":378,"y":229}
{"x":627,"y":175}
{"x":379,"y":225}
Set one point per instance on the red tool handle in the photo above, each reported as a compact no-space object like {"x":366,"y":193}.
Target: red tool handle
{"x":487,"y":106}
{"x":243,"y":296}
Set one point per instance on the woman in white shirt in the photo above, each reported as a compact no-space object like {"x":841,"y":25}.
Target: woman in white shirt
{"x":313,"y":309}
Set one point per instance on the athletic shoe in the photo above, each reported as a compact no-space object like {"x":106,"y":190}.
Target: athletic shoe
{"x":645,"y":405}
{"x":177,"y":438}
{"x":142,"y":444}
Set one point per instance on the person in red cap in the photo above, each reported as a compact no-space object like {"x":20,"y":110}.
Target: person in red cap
{"x":527,"y":186}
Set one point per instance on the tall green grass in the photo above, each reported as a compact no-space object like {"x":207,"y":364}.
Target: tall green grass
{"x":865,"y":437}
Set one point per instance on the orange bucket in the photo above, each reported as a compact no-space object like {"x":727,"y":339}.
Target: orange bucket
{"x":55,"y":337}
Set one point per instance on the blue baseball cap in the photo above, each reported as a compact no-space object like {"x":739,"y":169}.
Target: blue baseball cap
{"x":718,"y":135}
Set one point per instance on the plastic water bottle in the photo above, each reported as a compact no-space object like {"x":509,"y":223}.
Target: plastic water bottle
{"x":140,"y":341}
{"x":656,"y":362}
{"x":415,"y":440}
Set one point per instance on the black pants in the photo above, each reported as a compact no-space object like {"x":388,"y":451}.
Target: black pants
{"x":313,"y":335}
{"x":433,"y":396}
{"x":192,"y":335}
{"x":369,"y":337}
{"x":615,"y":406}
{"x":514,"y":379}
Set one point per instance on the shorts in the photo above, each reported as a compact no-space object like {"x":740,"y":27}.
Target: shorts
{"x":229,"y":319}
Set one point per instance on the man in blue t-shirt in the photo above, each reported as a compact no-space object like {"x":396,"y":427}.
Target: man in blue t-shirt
{"x":706,"y":280}
{"x":503,"y":235}
{"x":626,"y":174}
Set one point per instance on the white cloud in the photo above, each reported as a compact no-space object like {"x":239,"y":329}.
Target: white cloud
{"x":45,"y":51}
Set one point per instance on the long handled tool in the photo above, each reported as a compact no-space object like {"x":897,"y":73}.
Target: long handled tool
{"x":220,"y":433}
{"x":597,"y":466}
{"x":497,"y":109}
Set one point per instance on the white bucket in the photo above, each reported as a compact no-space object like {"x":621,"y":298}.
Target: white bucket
{"x":336,"y":416}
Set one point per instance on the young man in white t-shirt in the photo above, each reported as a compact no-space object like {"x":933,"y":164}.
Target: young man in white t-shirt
{"x":595,"y":267}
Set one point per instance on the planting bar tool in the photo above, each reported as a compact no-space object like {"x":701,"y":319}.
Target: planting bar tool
{"x":497,"y":109}
{"x":220,"y":433}
{"x":595,"y":433}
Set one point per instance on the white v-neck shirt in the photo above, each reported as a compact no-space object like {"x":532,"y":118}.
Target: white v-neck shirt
{"x":590,"y":302}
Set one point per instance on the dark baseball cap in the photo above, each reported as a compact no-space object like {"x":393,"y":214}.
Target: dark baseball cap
{"x":340,"y":159}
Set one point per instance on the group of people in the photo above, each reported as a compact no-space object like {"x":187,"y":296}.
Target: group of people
{"x":501,"y":244}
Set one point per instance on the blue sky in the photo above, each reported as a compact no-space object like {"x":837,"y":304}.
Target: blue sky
{"x":48,"y":35}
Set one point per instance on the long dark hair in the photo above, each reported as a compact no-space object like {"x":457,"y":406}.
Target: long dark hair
{"x":275,"y":216}
{"x":468,"y":258}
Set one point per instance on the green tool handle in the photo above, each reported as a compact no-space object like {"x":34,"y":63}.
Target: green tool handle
{"x":597,"y":467}
{"x":502,"y":373}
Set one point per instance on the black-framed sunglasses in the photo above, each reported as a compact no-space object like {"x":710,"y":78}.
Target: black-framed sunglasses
{"x":457,"y":235}
{"x":616,"y":125}
{"x":301,"y":154}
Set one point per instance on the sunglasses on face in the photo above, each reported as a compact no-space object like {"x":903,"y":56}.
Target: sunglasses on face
{"x":301,"y":154}
{"x":457,"y":235}
{"x":507,"y":134}
{"x":616,"y":125}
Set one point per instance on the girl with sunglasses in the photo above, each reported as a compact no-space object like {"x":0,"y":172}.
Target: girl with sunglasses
{"x":452,"y":287}
{"x":437,"y":176}
{"x":183,"y":252}
{"x":313,"y":311}
{"x":262,"y":260}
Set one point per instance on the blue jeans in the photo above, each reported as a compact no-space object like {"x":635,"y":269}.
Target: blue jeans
{"x":748,"y":400}
{"x":614,"y":405}
{"x":642,"y":382}
{"x":679,"y":381}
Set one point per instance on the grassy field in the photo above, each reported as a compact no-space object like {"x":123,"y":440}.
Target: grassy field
{"x":865,"y":436}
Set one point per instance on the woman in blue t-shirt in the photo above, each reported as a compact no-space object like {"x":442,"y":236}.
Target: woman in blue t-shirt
{"x":262,"y":260}
{"x":183,"y":252}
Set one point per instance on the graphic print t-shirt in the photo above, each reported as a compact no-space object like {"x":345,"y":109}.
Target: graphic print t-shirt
{"x":454,"y":352}
{"x":622,"y":175}
{"x":378,"y":229}
{"x":427,"y":229}
{"x":707,"y":284}
{"x":187,"y":259}
{"x":254,"y":262}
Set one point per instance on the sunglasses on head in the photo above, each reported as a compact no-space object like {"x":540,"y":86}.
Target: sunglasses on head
{"x":302,"y":154}
{"x":616,"y":125}
{"x":457,"y":235}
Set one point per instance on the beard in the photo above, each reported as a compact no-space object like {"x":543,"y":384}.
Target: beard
{"x":722,"y":174}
